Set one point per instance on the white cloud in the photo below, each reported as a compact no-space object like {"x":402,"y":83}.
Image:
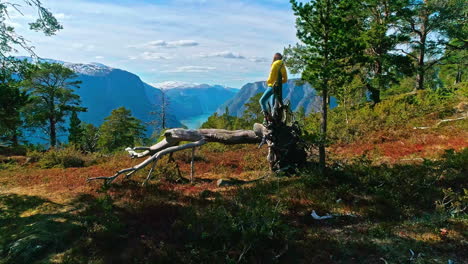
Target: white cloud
{"x":83,"y":47}
{"x":183,"y":43}
{"x":177,"y":35}
{"x":61,"y":16}
{"x":223,"y":54}
{"x":99,"y":57}
{"x":193,"y":69}
{"x":166,"y":44}
{"x":150,"y":56}
{"x":258,"y":59}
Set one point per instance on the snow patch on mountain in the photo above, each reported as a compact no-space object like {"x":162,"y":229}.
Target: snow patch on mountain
{"x":174,"y":85}
{"x":88,"y":69}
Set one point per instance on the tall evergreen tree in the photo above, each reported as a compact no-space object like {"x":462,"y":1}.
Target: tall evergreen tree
{"x":329,"y":31}
{"x":75,"y":131}
{"x":382,"y":64}
{"x":51,"y":87}
{"x":428,"y":22}
{"x":454,"y":64}
{"x":120,"y":130}
{"x":12,"y":99}
{"x":89,"y":138}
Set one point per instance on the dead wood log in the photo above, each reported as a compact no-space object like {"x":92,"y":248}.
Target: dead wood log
{"x":286,"y":150}
{"x":172,"y":139}
{"x":443,"y":121}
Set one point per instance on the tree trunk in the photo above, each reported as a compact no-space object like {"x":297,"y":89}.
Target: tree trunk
{"x":422,"y":52}
{"x":53,"y":132}
{"x":14,"y":138}
{"x":374,"y":94}
{"x":323,"y":129}
{"x":286,"y":150}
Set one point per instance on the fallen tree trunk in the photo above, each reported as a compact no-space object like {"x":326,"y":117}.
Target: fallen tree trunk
{"x":286,"y":150}
{"x":173,"y":138}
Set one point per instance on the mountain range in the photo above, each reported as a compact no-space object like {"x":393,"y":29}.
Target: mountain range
{"x":188,"y":100}
{"x":297,"y":93}
{"x":104,"y":88}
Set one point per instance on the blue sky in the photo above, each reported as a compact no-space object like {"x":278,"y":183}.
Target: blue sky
{"x":228,"y":42}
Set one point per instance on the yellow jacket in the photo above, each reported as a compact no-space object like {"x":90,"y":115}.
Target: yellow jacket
{"x":274,"y":73}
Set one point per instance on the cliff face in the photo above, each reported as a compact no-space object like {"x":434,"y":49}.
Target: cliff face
{"x":300,"y":95}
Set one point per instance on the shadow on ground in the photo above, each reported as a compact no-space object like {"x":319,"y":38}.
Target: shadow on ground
{"x":31,"y":228}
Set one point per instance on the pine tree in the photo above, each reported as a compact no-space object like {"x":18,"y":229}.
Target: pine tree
{"x":51,"y":87}
{"x":75,"y":131}
{"x":89,"y":138}
{"x":329,"y":31}
{"x":253,"y":111}
{"x":12,"y":100}
{"x":120,"y":130}
{"x":382,"y":64}
{"x":429,"y":24}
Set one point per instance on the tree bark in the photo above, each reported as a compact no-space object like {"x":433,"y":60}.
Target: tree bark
{"x":422,"y":51}
{"x":53,"y":132}
{"x":323,"y":130}
{"x":285,"y":150}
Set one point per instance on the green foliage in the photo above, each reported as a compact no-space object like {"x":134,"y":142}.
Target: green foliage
{"x":167,"y":170}
{"x":51,"y":87}
{"x":252,"y":114}
{"x":75,"y":130}
{"x":402,"y":191}
{"x":45,"y":22}
{"x":100,"y":219}
{"x":67,"y":157}
{"x":89,"y":138}
{"x":401,"y":111}
{"x":34,"y":228}
{"x":330,"y":47}
{"x":12,"y":100}
{"x":253,"y":110}
{"x":382,"y":65}
{"x":225,"y":121}
{"x":430,"y":26}
{"x":250,"y":226}
{"x":453,"y":70}
{"x":34,"y":155}
{"x":120,"y":130}
{"x":329,"y":31}
{"x":453,"y":203}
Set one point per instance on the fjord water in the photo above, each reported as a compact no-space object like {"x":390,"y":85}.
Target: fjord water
{"x":195,"y":122}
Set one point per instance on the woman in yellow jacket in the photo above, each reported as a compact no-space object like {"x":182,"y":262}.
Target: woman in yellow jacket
{"x":278,"y":70}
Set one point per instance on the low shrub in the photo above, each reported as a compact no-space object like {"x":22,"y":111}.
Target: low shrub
{"x":34,"y":155}
{"x":393,"y":113}
{"x":13,"y":151}
{"x":67,"y":157}
{"x":248,"y":229}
